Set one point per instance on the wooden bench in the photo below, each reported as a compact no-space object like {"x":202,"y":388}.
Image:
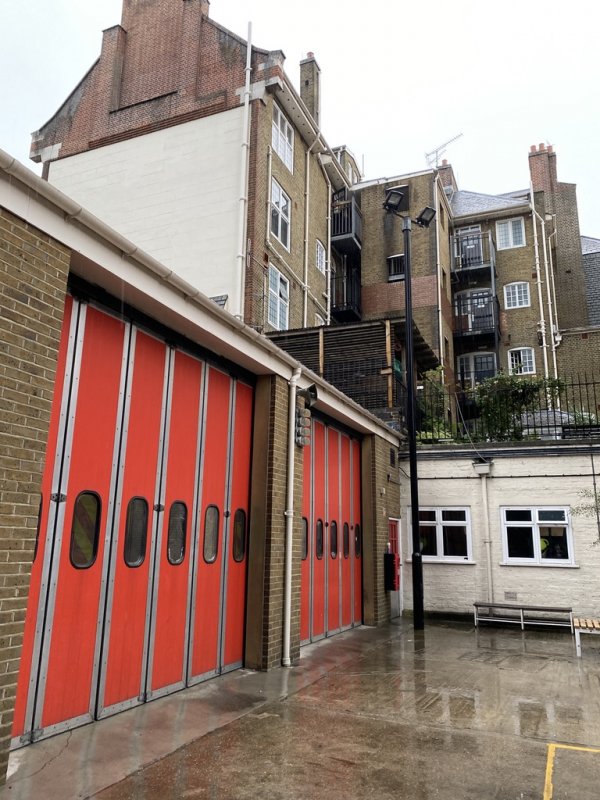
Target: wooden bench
{"x":523,"y":614}
{"x":582,"y":625}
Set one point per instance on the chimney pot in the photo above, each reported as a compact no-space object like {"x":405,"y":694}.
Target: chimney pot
{"x":533,"y":149}
{"x":550,"y":148}
{"x":542,"y":147}
{"x":310,"y":54}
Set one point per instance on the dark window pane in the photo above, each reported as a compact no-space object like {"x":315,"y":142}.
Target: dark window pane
{"x":177,"y":531}
{"x":455,"y":540}
{"x":319,"y":539}
{"x":454,"y":515}
{"x":239,"y":535}
{"x":37,"y":530}
{"x":211,"y":534}
{"x":304,"y":538}
{"x":427,"y":515}
{"x":346,"y":540}
{"x":357,"y":541}
{"x":518,"y":515}
{"x":551,"y":515}
{"x":427,"y":535}
{"x":85,"y":530}
{"x":333,"y":540}
{"x":553,"y":542}
{"x":520,"y":542}
{"x":136,"y":531}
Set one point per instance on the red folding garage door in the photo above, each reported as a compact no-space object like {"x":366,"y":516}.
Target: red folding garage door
{"x":331,"y":571}
{"x":146,"y":441}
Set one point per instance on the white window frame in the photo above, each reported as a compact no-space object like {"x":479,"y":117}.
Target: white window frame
{"x":439,"y":525}
{"x":516,"y":295}
{"x":321,"y":257}
{"x":510,"y":238}
{"x":512,"y":365}
{"x":279,"y":201}
{"x":282,"y":137}
{"x":538,"y":559}
{"x":278,"y":307}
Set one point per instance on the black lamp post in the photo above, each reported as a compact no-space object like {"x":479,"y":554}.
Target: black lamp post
{"x":393,"y":202}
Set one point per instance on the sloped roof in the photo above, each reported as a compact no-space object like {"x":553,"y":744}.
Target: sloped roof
{"x":465,"y":203}
{"x":590,"y":245}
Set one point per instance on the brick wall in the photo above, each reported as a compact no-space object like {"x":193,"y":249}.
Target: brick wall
{"x":381,"y":501}
{"x":578,"y":355}
{"x":34,"y":271}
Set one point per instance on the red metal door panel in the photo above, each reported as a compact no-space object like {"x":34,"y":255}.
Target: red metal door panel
{"x":208,"y":587}
{"x":306,"y":547}
{"x":319,"y":549}
{"x":27,"y":670}
{"x":356,"y":532}
{"x":69,"y":686}
{"x":238,"y":526}
{"x":345,"y":545}
{"x":172,"y":589}
{"x":123,"y":662}
{"x":333,"y":530}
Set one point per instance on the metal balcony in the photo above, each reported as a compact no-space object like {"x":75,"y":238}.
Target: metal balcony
{"x":473,"y":253}
{"x":345,"y":296}
{"x":346,"y":226}
{"x":476,"y":316}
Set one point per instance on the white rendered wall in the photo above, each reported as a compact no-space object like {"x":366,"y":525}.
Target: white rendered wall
{"x":174,"y":193}
{"x":531,"y":481}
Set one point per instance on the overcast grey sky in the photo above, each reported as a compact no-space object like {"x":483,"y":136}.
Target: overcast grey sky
{"x":398,"y":78}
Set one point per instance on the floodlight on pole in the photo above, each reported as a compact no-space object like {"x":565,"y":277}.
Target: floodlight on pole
{"x":392,"y":203}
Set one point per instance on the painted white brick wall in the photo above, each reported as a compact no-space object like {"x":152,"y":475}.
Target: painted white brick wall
{"x":531,"y":481}
{"x":174,"y":193}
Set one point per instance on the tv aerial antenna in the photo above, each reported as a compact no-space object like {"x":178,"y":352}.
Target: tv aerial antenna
{"x":433,"y":158}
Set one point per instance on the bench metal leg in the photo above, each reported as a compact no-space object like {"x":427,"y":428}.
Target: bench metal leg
{"x":578,"y":642}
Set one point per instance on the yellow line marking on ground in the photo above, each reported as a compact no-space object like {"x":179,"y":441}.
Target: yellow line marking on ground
{"x":552,"y":748}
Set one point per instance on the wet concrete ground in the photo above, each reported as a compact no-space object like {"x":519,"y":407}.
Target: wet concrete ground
{"x":450,"y":713}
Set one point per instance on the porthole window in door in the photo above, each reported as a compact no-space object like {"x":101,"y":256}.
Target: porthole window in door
{"x":136,"y":532}
{"x":239,"y":535}
{"x":211,"y":534}
{"x":319,"y":539}
{"x":177,"y":533}
{"x":333,"y":539}
{"x":357,"y":541}
{"x":304,"y":539}
{"x":85,"y":529}
{"x":346,"y":540}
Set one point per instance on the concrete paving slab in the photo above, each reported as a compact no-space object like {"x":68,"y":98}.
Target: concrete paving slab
{"x":448,"y":713}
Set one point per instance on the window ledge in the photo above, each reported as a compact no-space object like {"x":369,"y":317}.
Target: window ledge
{"x":433,"y":560}
{"x":537,"y":564}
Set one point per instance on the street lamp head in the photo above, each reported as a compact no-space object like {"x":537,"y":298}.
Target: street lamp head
{"x":393,"y":201}
{"x":426,"y":217}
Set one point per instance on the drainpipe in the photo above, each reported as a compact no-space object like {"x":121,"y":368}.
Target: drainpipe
{"x":539,"y":284}
{"x":548,"y":290}
{"x":289,"y":517}
{"x":439,"y":275}
{"x":306,"y":210}
{"x":484,"y":469}
{"x":557,"y":338}
{"x":245,"y":161}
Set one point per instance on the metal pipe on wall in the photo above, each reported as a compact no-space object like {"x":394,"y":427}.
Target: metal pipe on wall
{"x":245,"y":165}
{"x":536,"y":248}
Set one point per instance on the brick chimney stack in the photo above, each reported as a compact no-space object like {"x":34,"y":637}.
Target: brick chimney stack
{"x":542,"y":168}
{"x":205,"y":7}
{"x":310,"y":79}
{"x":446,"y":174}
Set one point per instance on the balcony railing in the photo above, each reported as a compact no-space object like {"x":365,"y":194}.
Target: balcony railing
{"x":366,"y":381}
{"x":473,"y":251}
{"x":346,"y":226}
{"x":535,"y":409}
{"x":476,"y":314}
{"x":345,"y":302}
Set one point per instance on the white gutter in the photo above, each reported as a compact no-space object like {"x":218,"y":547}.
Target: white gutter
{"x":539,"y":285}
{"x":557,"y":338}
{"x":289,"y":518}
{"x":245,"y":163}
